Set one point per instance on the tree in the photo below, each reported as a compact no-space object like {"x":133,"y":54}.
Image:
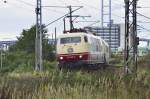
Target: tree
{"x":26,"y":42}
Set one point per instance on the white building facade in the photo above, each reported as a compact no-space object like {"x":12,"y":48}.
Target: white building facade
{"x":114,"y":35}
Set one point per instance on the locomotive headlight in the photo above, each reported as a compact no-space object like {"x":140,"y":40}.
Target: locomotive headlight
{"x":80,"y":56}
{"x":61,"y":58}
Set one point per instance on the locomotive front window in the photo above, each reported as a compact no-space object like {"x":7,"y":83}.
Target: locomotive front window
{"x":70,"y":40}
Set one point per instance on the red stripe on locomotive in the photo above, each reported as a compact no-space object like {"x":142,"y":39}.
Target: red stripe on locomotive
{"x":73,"y":57}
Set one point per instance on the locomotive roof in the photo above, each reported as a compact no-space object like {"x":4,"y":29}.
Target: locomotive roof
{"x":76,"y":34}
{"x":72,"y":34}
{"x":81,"y":34}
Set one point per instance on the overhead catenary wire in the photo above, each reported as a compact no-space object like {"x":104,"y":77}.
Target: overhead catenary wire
{"x":144,"y":28}
{"x":61,"y":6}
{"x":143,"y":22}
{"x":90,"y":6}
{"x":85,"y":5}
{"x":18,"y":6}
{"x":143,"y":15}
{"x":78,"y":1}
{"x":93,"y":7}
{"x":32,"y":5}
{"x":93,"y":24}
{"x":137,"y":25}
{"x":26,"y":3}
{"x":137,"y":21}
{"x":122,"y":6}
{"x":64,"y":7}
{"x":54,"y":6}
{"x":45,"y":7}
{"x":98,"y":9}
{"x":62,"y":17}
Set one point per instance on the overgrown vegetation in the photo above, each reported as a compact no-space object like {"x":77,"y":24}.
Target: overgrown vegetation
{"x":21,"y":61}
{"x":26,"y":43}
{"x":19,"y":80}
{"x":74,"y":85}
{"x":21,"y":56}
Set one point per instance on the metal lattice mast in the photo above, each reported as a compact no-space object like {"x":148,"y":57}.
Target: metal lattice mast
{"x":38,"y":41}
{"x":71,"y":22}
{"x":102,"y":13}
{"x":110,"y":23}
{"x":106,"y":16}
{"x":105,"y":12}
{"x":130,"y":53}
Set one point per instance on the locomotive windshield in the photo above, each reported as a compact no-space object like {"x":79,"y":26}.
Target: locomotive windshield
{"x":70,"y":40}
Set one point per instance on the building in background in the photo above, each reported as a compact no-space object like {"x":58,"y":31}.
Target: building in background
{"x":113,"y":34}
{"x":4,"y":45}
{"x":51,"y":41}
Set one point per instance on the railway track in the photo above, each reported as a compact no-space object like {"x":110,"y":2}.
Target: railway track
{"x":109,"y":68}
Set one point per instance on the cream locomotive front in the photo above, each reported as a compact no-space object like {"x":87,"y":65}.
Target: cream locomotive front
{"x":76,"y":49}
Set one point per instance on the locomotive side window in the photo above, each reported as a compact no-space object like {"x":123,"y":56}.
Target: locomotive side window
{"x":67,"y":40}
{"x":75,"y":39}
{"x":64,"y":40}
{"x":85,"y":39}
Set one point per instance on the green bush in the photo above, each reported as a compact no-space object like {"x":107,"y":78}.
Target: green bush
{"x":17,"y":61}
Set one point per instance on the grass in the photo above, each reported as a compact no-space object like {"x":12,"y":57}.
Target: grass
{"x":76,"y":84}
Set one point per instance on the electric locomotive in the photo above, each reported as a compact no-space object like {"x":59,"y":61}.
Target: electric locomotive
{"x":80,"y":48}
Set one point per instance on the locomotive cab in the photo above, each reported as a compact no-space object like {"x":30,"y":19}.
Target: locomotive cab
{"x":72,"y":48}
{"x":76,"y":49}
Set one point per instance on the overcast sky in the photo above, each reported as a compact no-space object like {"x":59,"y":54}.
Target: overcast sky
{"x":16,"y":15}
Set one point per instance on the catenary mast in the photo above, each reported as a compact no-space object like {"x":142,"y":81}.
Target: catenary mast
{"x":38,"y":40}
